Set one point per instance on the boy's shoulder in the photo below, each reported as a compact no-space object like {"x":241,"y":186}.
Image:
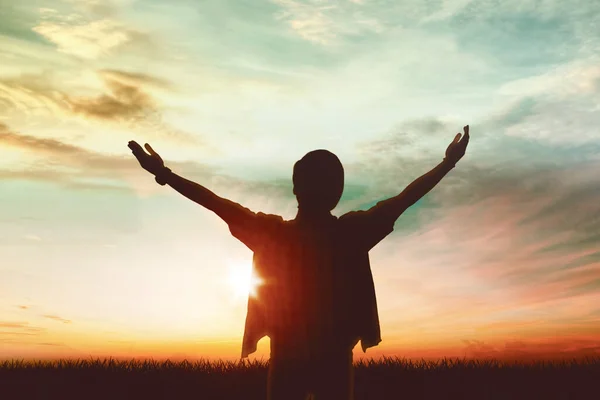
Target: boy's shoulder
{"x":352,"y":216}
{"x":271,"y":220}
{"x":272,"y":217}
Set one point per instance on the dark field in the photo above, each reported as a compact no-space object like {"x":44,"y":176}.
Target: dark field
{"x":390,"y":378}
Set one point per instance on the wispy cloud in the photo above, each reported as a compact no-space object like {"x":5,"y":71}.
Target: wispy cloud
{"x":125,"y":100}
{"x":512,"y":246}
{"x":57,"y":318}
{"x":580,"y":77}
{"x":122,"y":102}
{"x":31,"y":94}
{"x":95,"y":8}
{"x":40,"y":145}
{"x":532,"y":350}
{"x":309,"y":19}
{"x":85,"y":38}
{"x":19,"y":329}
{"x":34,"y":238}
{"x":136,"y":78}
{"x":447,"y":9}
{"x":514,"y":228}
{"x":13,"y":325}
{"x":69,"y":165}
{"x":324,"y":22}
{"x":562,"y":105}
{"x":76,"y":167}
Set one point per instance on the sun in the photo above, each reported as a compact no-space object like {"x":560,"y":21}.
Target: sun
{"x":242,"y":279}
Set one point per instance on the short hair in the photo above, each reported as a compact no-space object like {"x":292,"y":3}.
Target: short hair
{"x":318,"y":179}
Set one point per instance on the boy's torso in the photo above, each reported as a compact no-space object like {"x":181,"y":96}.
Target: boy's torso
{"x":317,"y":284}
{"x":308,"y":277}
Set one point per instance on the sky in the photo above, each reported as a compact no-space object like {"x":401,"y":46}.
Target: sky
{"x":500,"y":259}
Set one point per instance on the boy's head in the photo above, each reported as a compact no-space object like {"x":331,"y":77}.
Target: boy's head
{"x":318,"y":180}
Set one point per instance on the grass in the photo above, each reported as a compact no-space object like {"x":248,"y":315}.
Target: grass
{"x":389,"y":378}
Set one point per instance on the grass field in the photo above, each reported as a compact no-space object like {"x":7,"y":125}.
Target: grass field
{"x":389,"y":378}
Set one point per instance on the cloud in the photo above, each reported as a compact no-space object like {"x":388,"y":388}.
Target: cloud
{"x":95,"y":8}
{"x":448,"y":9}
{"x":560,"y":122}
{"x":558,"y":107}
{"x":490,"y":10}
{"x":69,"y":165}
{"x":86,"y":38}
{"x":311,"y":21}
{"x":520,"y":350}
{"x":122,"y":102}
{"x":75,"y":167}
{"x":328,"y":22}
{"x":34,"y":238}
{"x":414,"y":146}
{"x":325,"y":22}
{"x":579,"y":77}
{"x":57,"y":318}
{"x":513,"y":245}
{"x":39,"y":145}
{"x":126,"y":101}
{"x":506,"y":243}
{"x":412,"y":138}
{"x":30,"y":94}
{"x":387,"y":164}
{"x":13,"y":324}
{"x":18,"y":329}
{"x":136,"y":78}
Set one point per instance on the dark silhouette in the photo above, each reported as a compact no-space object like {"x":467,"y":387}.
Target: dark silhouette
{"x":563,"y":378}
{"x":318,"y":299}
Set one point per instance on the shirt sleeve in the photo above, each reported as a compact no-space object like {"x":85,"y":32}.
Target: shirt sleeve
{"x":253,"y":229}
{"x":367,"y":228}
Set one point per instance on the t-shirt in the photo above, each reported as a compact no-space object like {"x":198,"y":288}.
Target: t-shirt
{"x":317,"y":288}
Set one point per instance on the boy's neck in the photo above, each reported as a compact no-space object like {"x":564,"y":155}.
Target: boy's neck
{"x":305,"y":214}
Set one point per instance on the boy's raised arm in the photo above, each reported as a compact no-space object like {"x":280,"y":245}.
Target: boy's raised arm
{"x":228,"y":210}
{"x":393,"y":207}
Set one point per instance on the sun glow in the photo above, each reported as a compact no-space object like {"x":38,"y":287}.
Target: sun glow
{"x":243,"y":280}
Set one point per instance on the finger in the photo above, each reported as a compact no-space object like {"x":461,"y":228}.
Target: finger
{"x":456,"y":138}
{"x":136,"y":149}
{"x":133,"y":144}
{"x":149,"y":148}
{"x":465,"y":139}
{"x":151,"y":151}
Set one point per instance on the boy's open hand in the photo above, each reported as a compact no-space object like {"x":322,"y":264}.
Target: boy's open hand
{"x":152,"y":162}
{"x":456,"y":149}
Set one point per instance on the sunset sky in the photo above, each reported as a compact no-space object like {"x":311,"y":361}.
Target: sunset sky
{"x":502,"y":258}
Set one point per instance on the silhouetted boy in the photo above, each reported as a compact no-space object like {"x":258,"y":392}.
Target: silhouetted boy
{"x":318,"y":299}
